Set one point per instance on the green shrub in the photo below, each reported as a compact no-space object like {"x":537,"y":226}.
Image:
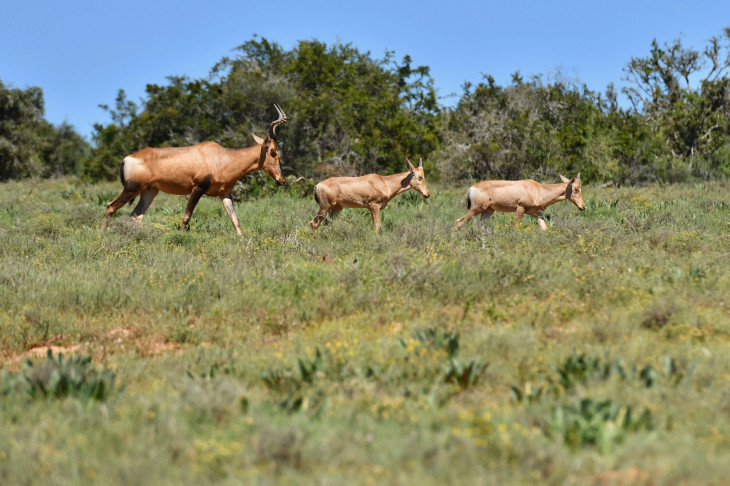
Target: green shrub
{"x":600,"y":423}
{"x":59,"y":377}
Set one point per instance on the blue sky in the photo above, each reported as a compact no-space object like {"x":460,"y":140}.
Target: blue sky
{"x":82,"y":52}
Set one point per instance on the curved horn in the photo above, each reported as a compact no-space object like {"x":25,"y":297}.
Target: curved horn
{"x":279,"y":121}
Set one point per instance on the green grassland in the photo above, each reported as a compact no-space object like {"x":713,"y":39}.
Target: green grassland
{"x":595,"y":353}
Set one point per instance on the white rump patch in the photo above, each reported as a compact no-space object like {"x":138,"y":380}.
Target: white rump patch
{"x":131,"y":167}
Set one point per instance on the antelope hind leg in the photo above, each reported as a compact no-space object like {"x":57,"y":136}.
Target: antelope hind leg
{"x":321,"y":214}
{"x":467,"y":217}
{"x":115,"y":205}
{"x":144,"y":203}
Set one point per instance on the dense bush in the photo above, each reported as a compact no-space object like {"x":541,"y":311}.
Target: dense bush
{"x":29,"y":145}
{"x":348,"y":112}
{"x":351,"y":113}
{"x":59,"y":377}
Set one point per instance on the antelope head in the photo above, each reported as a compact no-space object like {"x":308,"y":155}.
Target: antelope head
{"x":416,"y":180}
{"x":270,"y":155}
{"x":572,"y":191}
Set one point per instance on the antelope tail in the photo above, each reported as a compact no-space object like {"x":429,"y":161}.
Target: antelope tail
{"x":124,"y":182}
{"x":316,"y":195}
{"x":468,"y":199}
{"x":121,"y":173}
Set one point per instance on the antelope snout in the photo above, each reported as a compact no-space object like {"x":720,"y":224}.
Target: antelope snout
{"x":281,"y":181}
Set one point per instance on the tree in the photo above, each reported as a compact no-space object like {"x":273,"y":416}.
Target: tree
{"x":528,"y":129}
{"x":684,"y":94}
{"x":348,"y":113}
{"x":30,"y":146}
{"x":533,"y":129}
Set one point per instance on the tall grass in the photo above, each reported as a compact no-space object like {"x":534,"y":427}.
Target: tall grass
{"x":413,"y":355}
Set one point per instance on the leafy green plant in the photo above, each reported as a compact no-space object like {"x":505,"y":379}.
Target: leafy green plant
{"x":577,"y":368}
{"x":433,"y":338}
{"x":464,"y":374}
{"x":296,"y":384}
{"x":528,"y":393}
{"x":60,"y":377}
{"x":600,"y":423}
{"x":583,"y":368}
{"x":307,"y":368}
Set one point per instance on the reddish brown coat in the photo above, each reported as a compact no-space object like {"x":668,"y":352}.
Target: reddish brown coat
{"x":196,"y":170}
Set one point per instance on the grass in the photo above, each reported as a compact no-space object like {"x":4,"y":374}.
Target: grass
{"x":597,"y":353}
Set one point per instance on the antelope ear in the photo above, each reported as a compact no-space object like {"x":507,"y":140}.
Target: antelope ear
{"x":563,"y":178}
{"x":258,"y":139}
{"x":577,"y":178}
{"x":410,"y":166}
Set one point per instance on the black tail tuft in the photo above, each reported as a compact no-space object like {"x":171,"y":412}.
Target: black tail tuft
{"x":468,"y":200}
{"x":121,"y":173}
{"x":316,"y":196}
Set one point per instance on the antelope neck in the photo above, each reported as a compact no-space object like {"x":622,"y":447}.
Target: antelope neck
{"x":246,"y":160}
{"x":552,"y":193}
{"x":394,"y":183}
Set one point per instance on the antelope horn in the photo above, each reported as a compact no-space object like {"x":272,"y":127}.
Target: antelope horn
{"x":279,"y":121}
{"x":420,"y":162}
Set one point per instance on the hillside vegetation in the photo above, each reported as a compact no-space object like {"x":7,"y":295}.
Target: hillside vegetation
{"x":595,"y":353}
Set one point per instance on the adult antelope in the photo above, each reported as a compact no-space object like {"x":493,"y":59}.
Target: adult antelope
{"x":371,"y":191}
{"x":197,"y":170}
{"x":521,"y":197}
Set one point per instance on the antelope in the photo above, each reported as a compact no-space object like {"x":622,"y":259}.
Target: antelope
{"x":526,"y":196}
{"x":371,"y":191}
{"x":196,"y":170}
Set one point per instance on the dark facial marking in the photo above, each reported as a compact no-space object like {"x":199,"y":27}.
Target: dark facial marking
{"x":406,"y":180}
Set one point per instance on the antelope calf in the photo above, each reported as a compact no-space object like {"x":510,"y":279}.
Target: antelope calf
{"x":371,"y":191}
{"x":521,"y":197}
{"x":197,"y":170}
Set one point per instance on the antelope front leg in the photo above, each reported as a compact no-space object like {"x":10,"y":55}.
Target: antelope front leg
{"x":537,"y":214}
{"x":228,"y":205}
{"x":519,"y":213}
{"x":375,"y":213}
{"x":541,"y":222}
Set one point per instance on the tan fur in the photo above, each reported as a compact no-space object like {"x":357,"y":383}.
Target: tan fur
{"x":520,"y":197}
{"x":197,"y":170}
{"x":371,"y":191}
